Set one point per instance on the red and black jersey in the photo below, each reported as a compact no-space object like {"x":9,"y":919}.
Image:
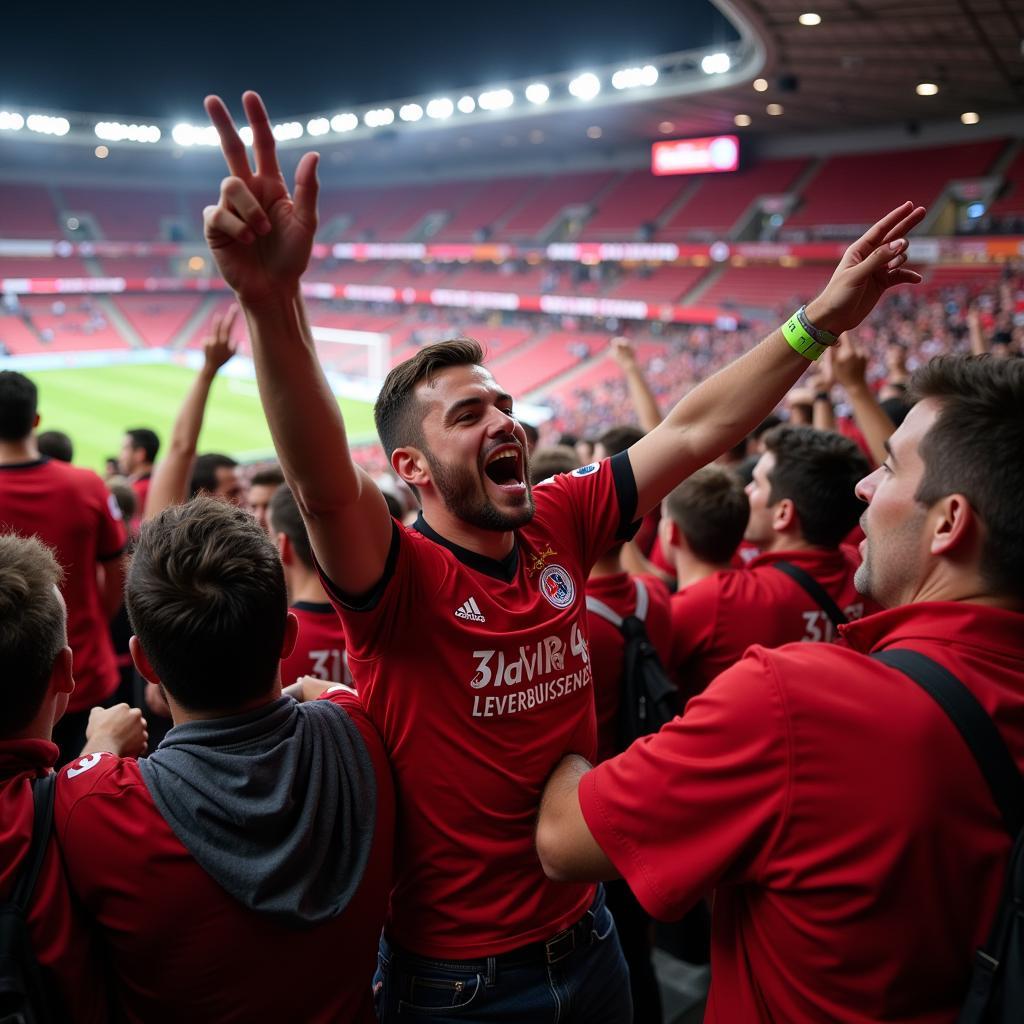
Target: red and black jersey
{"x":320,"y":646}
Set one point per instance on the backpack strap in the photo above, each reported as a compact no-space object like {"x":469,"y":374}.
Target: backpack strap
{"x":815,"y":590}
{"x":600,"y":608}
{"x":642,"y":599}
{"x":42,"y":821}
{"x":974,"y":725}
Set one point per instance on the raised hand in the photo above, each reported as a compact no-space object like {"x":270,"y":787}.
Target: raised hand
{"x":119,"y":730}
{"x":871,"y":265}
{"x":259,"y":234}
{"x":849,"y":362}
{"x":623,"y":352}
{"x":218,"y":347}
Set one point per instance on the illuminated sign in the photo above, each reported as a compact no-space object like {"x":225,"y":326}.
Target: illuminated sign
{"x":696,"y":156}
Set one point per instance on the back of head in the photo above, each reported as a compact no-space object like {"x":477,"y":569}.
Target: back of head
{"x":271,"y":476}
{"x":32,"y":628}
{"x":817,"y":470}
{"x":710,"y":509}
{"x":124,"y":495}
{"x":206,"y":598}
{"x":285,"y":518}
{"x":19,"y":400}
{"x":397,"y":412}
{"x":975,"y":448}
{"x":55,"y":444}
{"x":548,"y":462}
{"x":204,"y":472}
{"x":616,"y":439}
{"x":146,"y":439}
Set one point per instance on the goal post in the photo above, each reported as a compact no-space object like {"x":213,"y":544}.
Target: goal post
{"x":363,"y":357}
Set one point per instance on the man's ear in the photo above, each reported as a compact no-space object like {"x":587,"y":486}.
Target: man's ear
{"x":285,"y":549}
{"x":956,"y":527}
{"x":669,"y":534}
{"x":146,"y":670}
{"x":62,"y":677}
{"x":411,"y":466}
{"x":784,"y":518}
{"x":291,"y":635}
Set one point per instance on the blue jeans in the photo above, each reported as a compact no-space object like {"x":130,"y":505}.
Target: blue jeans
{"x":579,"y":978}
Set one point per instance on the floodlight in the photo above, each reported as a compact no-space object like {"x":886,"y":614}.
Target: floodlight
{"x":715,"y":64}
{"x":585,"y":86}
{"x":466,"y":105}
{"x":44,"y":124}
{"x":496,"y":99}
{"x":245,"y":134}
{"x":809,"y":19}
{"x":11,"y":121}
{"x":742,"y":120}
{"x":344,"y":122}
{"x":318,"y":126}
{"x":379,"y":117}
{"x":632,"y":78}
{"x":970,"y":117}
{"x":411,"y":112}
{"x":927,"y":89}
{"x":537,"y":93}
{"x":440,"y":109}
{"x":287,"y":130}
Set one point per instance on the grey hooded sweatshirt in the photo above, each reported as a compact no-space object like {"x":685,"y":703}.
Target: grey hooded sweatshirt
{"x":277,"y":805}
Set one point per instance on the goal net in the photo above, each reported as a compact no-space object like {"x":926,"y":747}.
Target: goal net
{"x":354,"y":360}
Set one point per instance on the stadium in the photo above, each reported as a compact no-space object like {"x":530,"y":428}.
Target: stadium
{"x":685,"y":201}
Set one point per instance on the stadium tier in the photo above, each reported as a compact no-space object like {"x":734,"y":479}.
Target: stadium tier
{"x":766,"y":287}
{"x":72,"y":324}
{"x":1011,"y":202}
{"x":476,"y":217}
{"x":543,"y":206}
{"x":658,"y":284}
{"x":69,"y":266}
{"x":27,"y":211}
{"x":539,"y":360}
{"x":125,"y":214}
{"x":136,"y":266}
{"x":158,"y":319}
{"x":632,"y":206}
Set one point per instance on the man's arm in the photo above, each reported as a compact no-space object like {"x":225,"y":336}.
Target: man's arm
{"x":169,"y":485}
{"x":110,"y":576}
{"x":722,"y":410}
{"x":119,"y":730}
{"x":640,"y":394}
{"x":850,"y":363}
{"x":261,"y":237}
{"x":567,"y":850}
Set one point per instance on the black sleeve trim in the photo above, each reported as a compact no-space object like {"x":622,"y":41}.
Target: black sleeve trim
{"x":368,"y":601}
{"x":113,"y":554}
{"x":625,"y":488}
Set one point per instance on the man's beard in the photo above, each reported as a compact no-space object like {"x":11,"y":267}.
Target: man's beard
{"x":465,"y":498}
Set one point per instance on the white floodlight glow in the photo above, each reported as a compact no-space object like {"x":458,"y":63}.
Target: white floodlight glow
{"x":632,"y":78}
{"x":344,"y":122}
{"x":970,"y":117}
{"x":115,"y":131}
{"x":466,"y":104}
{"x":927,"y":89}
{"x":286,"y":131}
{"x":245,"y":134}
{"x":742,"y":120}
{"x":379,"y":117}
{"x":715,"y":64}
{"x":440,"y":109}
{"x":10,"y":121}
{"x":410,"y":112}
{"x":585,"y":86}
{"x":185,"y":134}
{"x":761,"y":84}
{"x":46,"y":125}
{"x":537,"y":93}
{"x":318,"y":126}
{"x":810,"y":19}
{"x":495,"y":99}
{"x":774,"y":109}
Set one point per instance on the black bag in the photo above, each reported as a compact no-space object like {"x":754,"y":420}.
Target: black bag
{"x":649,"y":698}
{"x":25,"y":997}
{"x":996,"y":993}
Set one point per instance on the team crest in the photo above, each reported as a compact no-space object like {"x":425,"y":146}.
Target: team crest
{"x":557,"y":586}
{"x":587,"y":470}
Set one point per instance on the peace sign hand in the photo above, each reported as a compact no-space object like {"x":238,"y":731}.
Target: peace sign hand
{"x":260,"y":236}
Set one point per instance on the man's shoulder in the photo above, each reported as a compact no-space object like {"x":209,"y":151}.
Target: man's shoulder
{"x":100,"y":777}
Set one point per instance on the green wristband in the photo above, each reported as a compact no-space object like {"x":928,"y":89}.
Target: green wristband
{"x":800,"y":340}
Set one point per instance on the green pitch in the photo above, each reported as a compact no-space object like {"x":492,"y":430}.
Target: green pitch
{"x":95,"y":405}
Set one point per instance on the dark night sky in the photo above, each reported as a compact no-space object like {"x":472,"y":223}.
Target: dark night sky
{"x":124,"y":59}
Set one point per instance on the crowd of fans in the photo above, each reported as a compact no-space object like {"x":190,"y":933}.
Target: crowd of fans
{"x":356,"y":740}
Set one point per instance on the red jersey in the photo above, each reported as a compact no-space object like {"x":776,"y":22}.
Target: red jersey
{"x":70,"y":509}
{"x":141,"y":488}
{"x":59,"y":936}
{"x":716,"y":619}
{"x":320,"y":646}
{"x":607,"y":645}
{"x":477,"y":674}
{"x":180,"y":947}
{"x":855,"y":850}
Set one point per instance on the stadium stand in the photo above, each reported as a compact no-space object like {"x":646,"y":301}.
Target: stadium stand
{"x":72,"y":324}
{"x":125,"y":214}
{"x":158,"y":319}
{"x":534,"y":363}
{"x":136,"y":266}
{"x":842,"y":195}
{"x":632,"y":206}
{"x":1009,"y":207}
{"x":27,"y":211}
{"x":721,"y":199}
{"x":70,"y":266}
{"x":765,"y":286}
{"x":16,"y":336}
{"x":658,"y":284}
{"x":478,"y":214}
{"x":539,"y":211}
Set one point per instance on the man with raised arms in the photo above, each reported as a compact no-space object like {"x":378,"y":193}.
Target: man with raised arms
{"x":467,"y":631}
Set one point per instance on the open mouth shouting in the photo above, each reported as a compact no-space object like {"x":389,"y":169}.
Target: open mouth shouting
{"x":505,"y":470}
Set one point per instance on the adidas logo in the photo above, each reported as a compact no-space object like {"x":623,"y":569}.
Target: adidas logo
{"x":470,"y":611}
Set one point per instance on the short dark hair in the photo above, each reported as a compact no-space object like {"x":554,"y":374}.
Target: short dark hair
{"x":146,"y":439}
{"x":286,"y":518}
{"x":56,"y":445}
{"x":270,"y":476}
{"x":124,"y":495}
{"x":33,"y":630}
{"x":396,"y":411}
{"x":818,"y":471}
{"x":204,"y":472}
{"x":974,"y":448}
{"x":19,"y":401}
{"x":547,"y":462}
{"x":619,"y":438}
{"x":711,"y":510}
{"x":206,"y":598}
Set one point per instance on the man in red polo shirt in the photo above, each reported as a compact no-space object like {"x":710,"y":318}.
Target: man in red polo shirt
{"x":70,"y":510}
{"x":320,"y":645}
{"x":35,"y":684}
{"x":856,"y":852}
{"x":802,"y":506}
{"x":231,"y":867}
{"x":467,"y":632}
{"x":138,"y":454}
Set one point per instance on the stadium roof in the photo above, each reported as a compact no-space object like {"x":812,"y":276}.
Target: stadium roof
{"x":861,"y":66}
